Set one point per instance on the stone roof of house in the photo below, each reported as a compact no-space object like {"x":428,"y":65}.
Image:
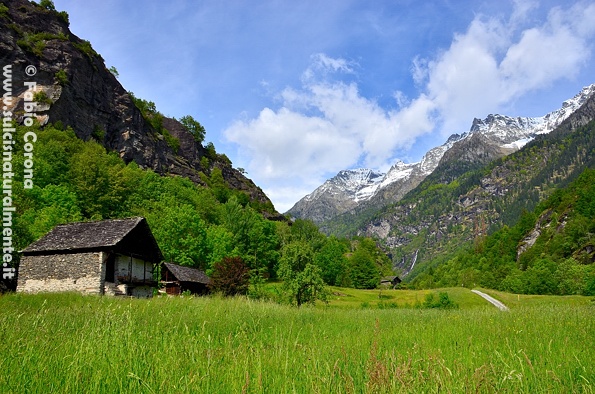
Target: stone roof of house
{"x":98,"y":235}
{"x":188,"y":274}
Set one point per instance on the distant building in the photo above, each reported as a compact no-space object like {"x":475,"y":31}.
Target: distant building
{"x":114,"y":257}
{"x":177,"y":279}
{"x":390,"y":281}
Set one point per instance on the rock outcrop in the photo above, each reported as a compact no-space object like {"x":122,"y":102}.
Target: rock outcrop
{"x":80,"y":92}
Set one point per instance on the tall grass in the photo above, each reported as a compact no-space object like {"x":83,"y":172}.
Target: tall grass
{"x":67,"y":343}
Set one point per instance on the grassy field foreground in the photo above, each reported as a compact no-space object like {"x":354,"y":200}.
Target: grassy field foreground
{"x":67,"y":343}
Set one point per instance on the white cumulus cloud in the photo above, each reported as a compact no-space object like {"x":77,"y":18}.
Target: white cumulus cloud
{"x":327,"y":125}
{"x":496,"y":61}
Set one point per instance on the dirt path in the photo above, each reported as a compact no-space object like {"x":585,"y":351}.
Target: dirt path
{"x":492,"y":300}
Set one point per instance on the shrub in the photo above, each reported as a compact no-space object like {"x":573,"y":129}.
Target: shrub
{"x":98,"y":134}
{"x":194,"y":127}
{"x":231,"y":276}
{"x":41,"y":97}
{"x":3,"y":11}
{"x":61,"y":77}
{"x":64,"y":16}
{"x":35,"y":43}
{"x":48,"y":5}
{"x":442,"y":302}
{"x":172,"y":142}
{"x":85,"y":47}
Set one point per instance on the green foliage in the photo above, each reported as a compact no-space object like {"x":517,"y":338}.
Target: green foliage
{"x":333,"y":263}
{"x":41,"y":97}
{"x":306,"y":231}
{"x":180,"y":232}
{"x":254,"y":238}
{"x":155,"y":119}
{"x":194,"y":127}
{"x":93,"y":175}
{"x":230,"y":277}
{"x":172,"y":142}
{"x":238,"y":345}
{"x":302,"y":287}
{"x":98,"y":134}
{"x":114,"y":71}
{"x":3,"y":11}
{"x":35,"y":42}
{"x":205,"y":165}
{"x":220,"y":244}
{"x":222,"y":158}
{"x":55,"y":204}
{"x":219,"y":186}
{"x":363,"y":271}
{"x":210,"y":153}
{"x":194,"y":226}
{"x":257,"y":286}
{"x":65,"y":17}
{"x":294,"y":258}
{"x":145,"y":107}
{"x":85,"y":47}
{"x":302,"y":280}
{"x":61,"y":77}
{"x":48,"y":5}
{"x":443,"y":301}
{"x":560,"y":261}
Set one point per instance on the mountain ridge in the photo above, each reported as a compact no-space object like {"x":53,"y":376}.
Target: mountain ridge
{"x":445,"y":212}
{"x":487,"y":139}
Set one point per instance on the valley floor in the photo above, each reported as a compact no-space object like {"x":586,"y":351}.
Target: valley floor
{"x":69,"y":343}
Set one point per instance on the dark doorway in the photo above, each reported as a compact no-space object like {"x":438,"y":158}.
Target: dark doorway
{"x":110,"y":268}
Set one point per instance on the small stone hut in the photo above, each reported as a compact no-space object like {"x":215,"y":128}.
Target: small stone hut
{"x":390,"y":281}
{"x":177,"y":279}
{"x":114,"y":257}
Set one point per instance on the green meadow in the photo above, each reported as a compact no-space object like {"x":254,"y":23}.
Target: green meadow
{"x":68,"y":343}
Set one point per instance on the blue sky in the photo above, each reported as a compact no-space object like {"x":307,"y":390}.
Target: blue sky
{"x":295,"y":91}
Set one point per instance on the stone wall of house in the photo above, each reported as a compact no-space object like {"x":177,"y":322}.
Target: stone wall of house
{"x":142,"y":291}
{"x":82,"y":272}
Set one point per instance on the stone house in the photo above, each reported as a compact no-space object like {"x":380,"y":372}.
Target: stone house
{"x":390,"y":281}
{"x":114,"y":257}
{"x":176,"y":279}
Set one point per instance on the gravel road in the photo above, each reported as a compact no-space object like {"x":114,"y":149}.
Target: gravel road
{"x":492,"y":300}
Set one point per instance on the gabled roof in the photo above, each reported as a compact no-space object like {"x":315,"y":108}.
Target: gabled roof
{"x":188,"y":274}
{"x":125,"y":235}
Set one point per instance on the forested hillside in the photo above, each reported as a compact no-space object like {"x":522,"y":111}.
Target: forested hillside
{"x":194,"y":225}
{"x":548,"y":251}
{"x":444,"y":212}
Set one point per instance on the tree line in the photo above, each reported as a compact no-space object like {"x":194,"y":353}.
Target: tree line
{"x":195,"y":226}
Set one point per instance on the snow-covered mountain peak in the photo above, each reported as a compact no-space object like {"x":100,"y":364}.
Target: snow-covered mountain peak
{"x":516,"y":131}
{"x":347,"y":182}
{"x":353,"y":179}
{"x":398,"y":171}
{"x":504,"y":134}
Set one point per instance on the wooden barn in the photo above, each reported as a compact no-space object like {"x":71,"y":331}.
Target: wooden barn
{"x":390,"y":281}
{"x":114,"y":257}
{"x":176,"y":279}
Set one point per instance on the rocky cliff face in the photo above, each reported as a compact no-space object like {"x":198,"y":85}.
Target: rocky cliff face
{"x":82,"y":93}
